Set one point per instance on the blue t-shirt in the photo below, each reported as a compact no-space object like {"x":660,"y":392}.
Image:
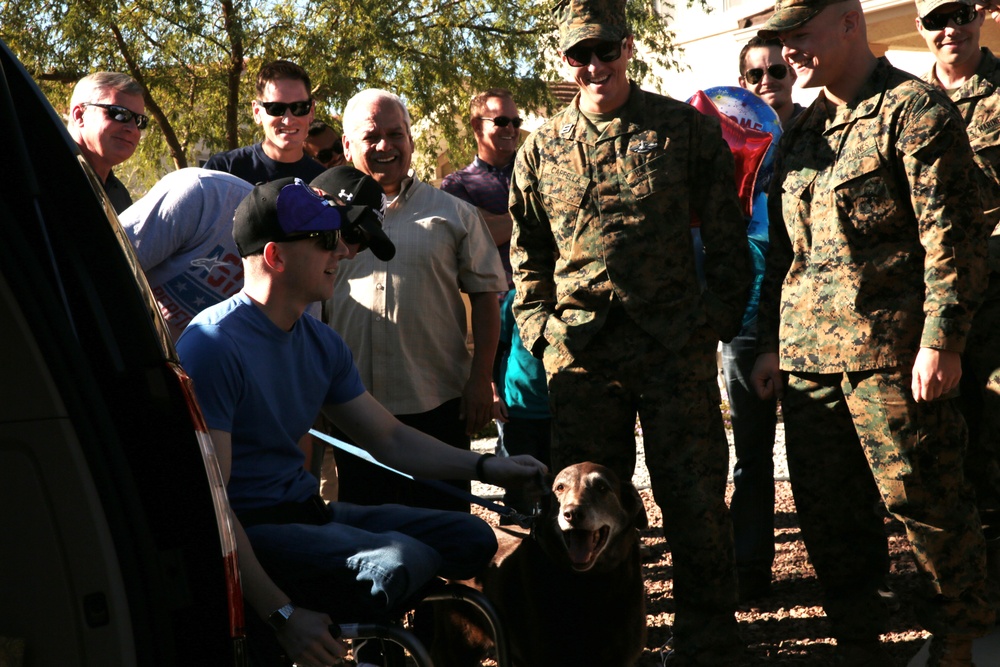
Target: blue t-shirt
{"x":265,"y":387}
{"x":254,"y":166}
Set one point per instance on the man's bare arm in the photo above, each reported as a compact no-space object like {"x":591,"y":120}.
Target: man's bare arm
{"x":500,"y":225}
{"x":306,"y":635}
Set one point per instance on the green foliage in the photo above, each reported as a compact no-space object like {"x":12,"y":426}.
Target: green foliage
{"x":189,"y":54}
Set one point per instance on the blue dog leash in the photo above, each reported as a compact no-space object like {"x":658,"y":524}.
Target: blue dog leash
{"x":521,"y":520}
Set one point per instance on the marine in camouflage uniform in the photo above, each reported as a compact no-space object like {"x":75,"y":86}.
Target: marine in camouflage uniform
{"x":607,"y":295}
{"x":971,"y":76}
{"x":877,"y":264}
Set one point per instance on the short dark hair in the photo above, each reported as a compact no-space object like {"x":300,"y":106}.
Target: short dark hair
{"x":281,"y":69}
{"x":317,"y":127}
{"x":754,"y":42}
{"x":478,"y":102}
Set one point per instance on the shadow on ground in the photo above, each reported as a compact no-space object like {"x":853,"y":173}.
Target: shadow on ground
{"x":789,"y":627}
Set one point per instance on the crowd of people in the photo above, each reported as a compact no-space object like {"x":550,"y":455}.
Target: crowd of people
{"x":312,"y":280}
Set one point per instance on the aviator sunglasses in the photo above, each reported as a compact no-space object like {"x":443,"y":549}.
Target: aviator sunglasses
{"x":606,"y":52}
{"x":504,"y":121}
{"x":121,"y":114}
{"x":961,"y":16}
{"x":756,"y":75}
{"x":300,"y":108}
{"x":326,"y":154}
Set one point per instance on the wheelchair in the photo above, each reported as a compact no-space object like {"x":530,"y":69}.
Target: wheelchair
{"x":385,"y":626}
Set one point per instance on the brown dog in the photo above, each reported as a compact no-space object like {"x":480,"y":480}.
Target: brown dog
{"x":571,"y":592}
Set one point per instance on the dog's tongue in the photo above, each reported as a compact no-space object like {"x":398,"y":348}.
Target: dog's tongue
{"x":580,"y":545}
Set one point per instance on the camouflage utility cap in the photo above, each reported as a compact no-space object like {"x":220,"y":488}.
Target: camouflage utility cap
{"x":791,"y":14}
{"x":590,"y":19}
{"x":925,"y":7}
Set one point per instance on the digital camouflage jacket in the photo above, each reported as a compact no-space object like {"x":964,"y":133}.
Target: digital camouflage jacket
{"x":877,"y":244}
{"x":978,"y":101}
{"x":608,"y":215}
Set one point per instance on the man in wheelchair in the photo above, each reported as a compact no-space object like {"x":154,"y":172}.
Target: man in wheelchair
{"x":262,"y":371}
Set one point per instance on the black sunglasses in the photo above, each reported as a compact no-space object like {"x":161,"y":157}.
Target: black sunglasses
{"x":354,"y":235}
{"x":300,"y":108}
{"x":606,"y":52}
{"x":504,"y":121}
{"x":350,"y":232}
{"x":121,"y":114}
{"x":756,"y":75}
{"x":328,"y":240}
{"x":326,"y":154}
{"x":961,"y":16}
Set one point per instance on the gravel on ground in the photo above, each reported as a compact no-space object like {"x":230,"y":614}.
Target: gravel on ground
{"x":788,"y":627}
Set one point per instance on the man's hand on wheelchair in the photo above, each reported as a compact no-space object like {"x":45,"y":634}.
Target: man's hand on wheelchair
{"x":307,"y":640}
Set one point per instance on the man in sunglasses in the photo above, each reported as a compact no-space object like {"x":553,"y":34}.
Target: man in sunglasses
{"x":876,"y":266}
{"x":284,"y":109}
{"x":765,"y":74}
{"x":105,"y":120}
{"x":485,"y":183}
{"x":970,"y":74}
{"x":324,"y":145}
{"x":521,"y":414}
{"x":262,"y":369}
{"x":603,"y":198}
{"x":405,"y":320}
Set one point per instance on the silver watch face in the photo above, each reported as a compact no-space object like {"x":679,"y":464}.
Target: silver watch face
{"x":280,"y":616}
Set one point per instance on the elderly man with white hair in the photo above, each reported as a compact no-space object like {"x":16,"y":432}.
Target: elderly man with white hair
{"x":405,"y":319}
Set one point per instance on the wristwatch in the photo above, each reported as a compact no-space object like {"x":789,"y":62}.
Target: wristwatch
{"x":280,"y":616}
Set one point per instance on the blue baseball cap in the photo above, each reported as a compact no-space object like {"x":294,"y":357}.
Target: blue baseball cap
{"x":280,"y":211}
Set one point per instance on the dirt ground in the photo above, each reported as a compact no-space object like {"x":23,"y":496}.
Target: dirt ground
{"x":789,"y":627}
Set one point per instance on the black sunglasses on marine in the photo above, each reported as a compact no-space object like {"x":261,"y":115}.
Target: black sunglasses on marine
{"x":606,"y":52}
{"x":939,"y":21}
{"x":300,"y":108}
{"x":756,"y":75}
{"x":121,"y":114}
{"x":504,"y":121}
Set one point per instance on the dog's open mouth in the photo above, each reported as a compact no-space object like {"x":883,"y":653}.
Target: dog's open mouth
{"x":584,"y":546}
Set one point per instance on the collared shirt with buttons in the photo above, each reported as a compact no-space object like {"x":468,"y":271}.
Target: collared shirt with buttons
{"x":405,"y":319}
{"x":486,"y":187}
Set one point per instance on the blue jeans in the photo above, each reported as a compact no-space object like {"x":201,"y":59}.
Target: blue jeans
{"x":383,"y":552}
{"x":753,"y":420}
